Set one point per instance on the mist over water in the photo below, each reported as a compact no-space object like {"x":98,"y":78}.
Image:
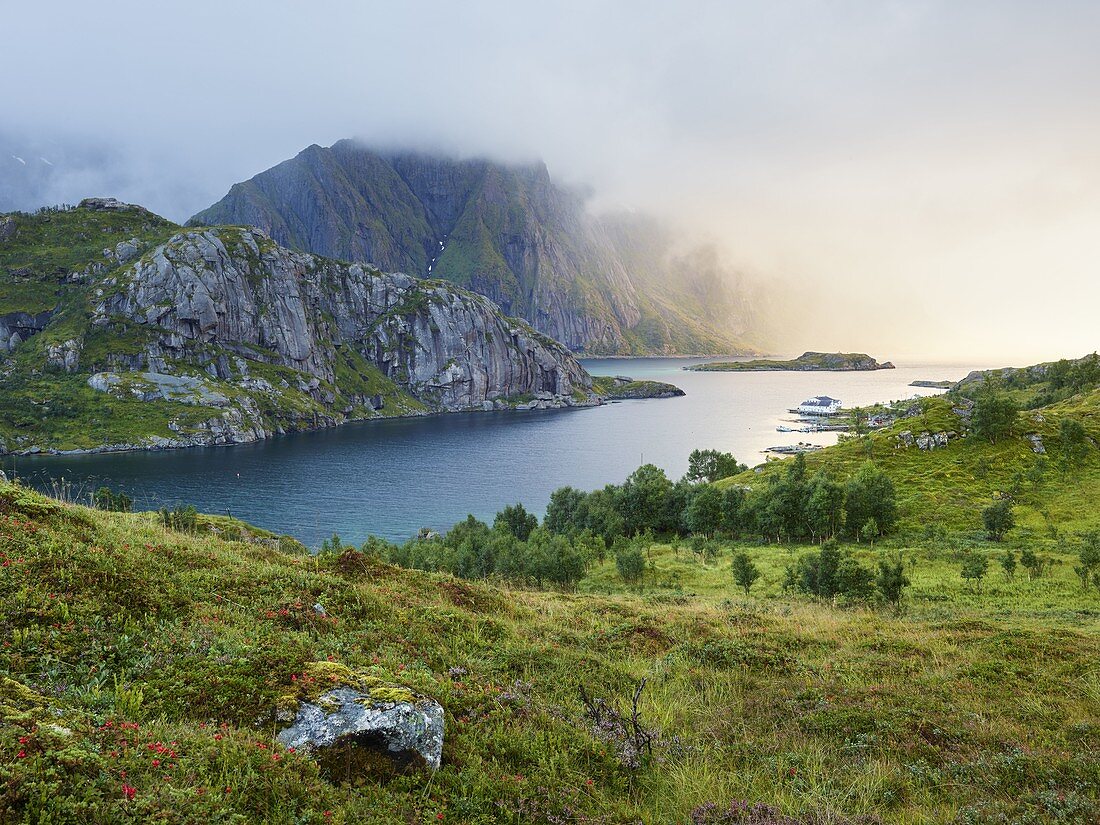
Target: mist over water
{"x":392,"y":477}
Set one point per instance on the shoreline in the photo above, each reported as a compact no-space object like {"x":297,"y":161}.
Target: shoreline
{"x":166,"y":444}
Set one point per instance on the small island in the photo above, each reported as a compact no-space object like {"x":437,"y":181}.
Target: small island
{"x":807,"y":361}
{"x":933,"y":385}
{"x":621,"y":388}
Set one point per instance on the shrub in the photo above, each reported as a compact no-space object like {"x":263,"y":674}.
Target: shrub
{"x":107,"y":499}
{"x":745,"y":573}
{"x":181,"y":518}
{"x":998,"y":519}
{"x":891,"y":580}
{"x":974,"y":566}
{"x":630,"y":563}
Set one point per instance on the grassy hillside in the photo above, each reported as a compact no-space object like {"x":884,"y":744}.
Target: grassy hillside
{"x":947,"y":487}
{"x":141,"y":669}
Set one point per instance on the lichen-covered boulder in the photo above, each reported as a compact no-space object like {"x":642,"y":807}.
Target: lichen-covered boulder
{"x":347,"y":714}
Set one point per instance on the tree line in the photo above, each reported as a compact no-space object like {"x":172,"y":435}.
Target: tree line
{"x":581,"y":527}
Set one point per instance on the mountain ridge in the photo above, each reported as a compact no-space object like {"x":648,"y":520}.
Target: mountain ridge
{"x":121,"y":330}
{"x":505,"y":231}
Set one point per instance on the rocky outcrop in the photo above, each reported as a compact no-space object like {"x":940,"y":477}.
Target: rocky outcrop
{"x":260,"y":341}
{"x":622,"y":388}
{"x":238,"y":292}
{"x":925,"y":440}
{"x":231,"y":338}
{"x":17,"y":327}
{"x":65,"y":355}
{"x":340,"y":715}
{"x":503,"y":231}
{"x":408,"y":730}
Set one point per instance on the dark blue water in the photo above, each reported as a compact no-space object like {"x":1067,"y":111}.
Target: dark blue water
{"x":392,"y":477}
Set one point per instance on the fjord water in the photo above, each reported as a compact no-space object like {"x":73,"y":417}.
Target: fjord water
{"x":392,"y":477}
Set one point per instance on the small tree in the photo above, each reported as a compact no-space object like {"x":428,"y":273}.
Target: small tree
{"x":1008,"y":564}
{"x":711,"y":465}
{"x":516,"y":520}
{"x":704,"y":514}
{"x":993,"y":416}
{"x":1089,"y":558}
{"x":1073,"y":443}
{"x":868,"y":531}
{"x":745,"y":573}
{"x":1032,"y":563}
{"x":998,"y":519}
{"x":974,"y":567}
{"x":891,"y":580}
{"x":630,"y":563}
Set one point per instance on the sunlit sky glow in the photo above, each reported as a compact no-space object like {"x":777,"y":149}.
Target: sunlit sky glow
{"x":917,"y":179}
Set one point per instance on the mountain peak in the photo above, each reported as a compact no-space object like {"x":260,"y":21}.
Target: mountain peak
{"x":505,"y":230}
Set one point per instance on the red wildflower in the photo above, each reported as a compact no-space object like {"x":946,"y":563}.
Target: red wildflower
{"x":128,"y":790}
{"x":22,"y":754}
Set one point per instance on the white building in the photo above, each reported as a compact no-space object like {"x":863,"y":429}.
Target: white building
{"x":819,"y":405}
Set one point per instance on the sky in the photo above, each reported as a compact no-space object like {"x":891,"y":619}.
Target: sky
{"x":918,"y":180}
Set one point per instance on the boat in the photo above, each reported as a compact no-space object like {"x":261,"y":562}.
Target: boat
{"x":794,"y":449}
{"x":820,"y":406}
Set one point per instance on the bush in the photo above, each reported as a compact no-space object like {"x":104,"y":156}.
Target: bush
{"x":745,"y":573}
{"x":183,"y":519}
{"x":998,"y":519}
{"x":630,"y":563}
{"x":107,"y":499}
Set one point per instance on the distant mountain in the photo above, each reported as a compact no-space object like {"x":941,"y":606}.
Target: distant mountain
{"x":601,"y":286}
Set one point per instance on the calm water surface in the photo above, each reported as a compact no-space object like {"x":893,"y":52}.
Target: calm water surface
{"x":392,"y":477}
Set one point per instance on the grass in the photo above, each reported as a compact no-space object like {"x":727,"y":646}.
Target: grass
{"x":127,"y":643}
{"x":950,"y":486}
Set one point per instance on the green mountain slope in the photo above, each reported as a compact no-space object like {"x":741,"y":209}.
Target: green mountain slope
{"x":505,"y":231}
{"x":947,"y":486}
{"x":143,"y":670}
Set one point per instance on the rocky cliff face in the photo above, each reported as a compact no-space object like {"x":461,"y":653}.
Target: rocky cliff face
{"x":156,"y":337}
{"x":506,"y":232}
{"x":212,"y":295}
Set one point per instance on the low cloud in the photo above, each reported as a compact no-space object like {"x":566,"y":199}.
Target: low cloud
{"x":919,"y":179}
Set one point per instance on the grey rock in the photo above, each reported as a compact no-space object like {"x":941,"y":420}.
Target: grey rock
{"x":109,"y":205}
{"x":155,"y":386}
{"x":64,"y":356}
{"x":905,"y":437}
{"x":17,"y":327}
{"x":407,"y":731}
{"x":127,"y":250}
{"x":1037,"y":445}
{"x":450,"y":348}
{"x":7,"y":228}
